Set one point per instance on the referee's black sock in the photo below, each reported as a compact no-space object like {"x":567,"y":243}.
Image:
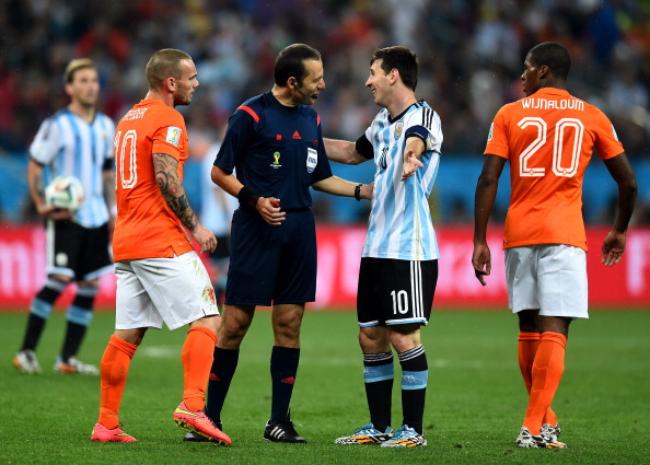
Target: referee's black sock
{"x":378,"y":378}
{"x":284,"y":366}
{"x":40,"y":312}
{"x":221,"y":373}
{"x":415,"y":375}
{"x":80,"y":314}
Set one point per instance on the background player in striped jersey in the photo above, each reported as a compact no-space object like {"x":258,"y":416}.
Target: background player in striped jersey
{"x":399,"y":266}
{"x":548,"y":137}
{"x":77,"y":141}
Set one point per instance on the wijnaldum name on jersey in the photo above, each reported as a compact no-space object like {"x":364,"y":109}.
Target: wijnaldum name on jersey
{"x":545,"y":104}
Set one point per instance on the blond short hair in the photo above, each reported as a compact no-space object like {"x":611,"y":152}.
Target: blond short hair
{"x":74,"y":66}
{"x":164,"y":63}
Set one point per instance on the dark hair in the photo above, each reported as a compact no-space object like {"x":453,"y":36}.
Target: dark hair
{"x":553,"y":55}
{"x":402,"y":59}
{"x":290,"y":62}
{"x":164,"y":63}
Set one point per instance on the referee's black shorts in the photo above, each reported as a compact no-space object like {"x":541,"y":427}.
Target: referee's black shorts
{"x":395,"y":292}
{"x":272,"y":264}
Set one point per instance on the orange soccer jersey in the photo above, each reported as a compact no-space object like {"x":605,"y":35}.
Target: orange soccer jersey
{"x":146,"y":227}
{"x":549,"y":137}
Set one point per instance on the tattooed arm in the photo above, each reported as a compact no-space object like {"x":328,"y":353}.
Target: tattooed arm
{"x":166,"y":170}
{"x":108,"y":185}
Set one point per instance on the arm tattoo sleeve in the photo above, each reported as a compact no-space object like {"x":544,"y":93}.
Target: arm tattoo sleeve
{"x":108,"y":184}
{"x":165,"y":167}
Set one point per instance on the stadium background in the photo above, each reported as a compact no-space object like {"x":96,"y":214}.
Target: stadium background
{"x":470,"y":53}
{"x":470,"y":56}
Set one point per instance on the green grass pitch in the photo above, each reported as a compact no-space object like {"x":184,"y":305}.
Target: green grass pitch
{"x":475,"y":400}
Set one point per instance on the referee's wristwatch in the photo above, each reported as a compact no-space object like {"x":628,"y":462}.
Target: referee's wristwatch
{"x":357,"y":192}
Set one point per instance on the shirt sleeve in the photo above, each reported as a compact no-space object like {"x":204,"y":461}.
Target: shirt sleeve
{"x":110,"y":139}
{"x":241,"y":129}
{"x":323,"y":169}
{"x":47,"y":142}
{"x":497,"y":140}
{"x":170,"y":137}
{"x":425,"y":125}
{"x":606,"y":140}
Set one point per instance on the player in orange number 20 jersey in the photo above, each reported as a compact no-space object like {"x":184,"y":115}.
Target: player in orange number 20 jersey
{"x":159,"y":277}
{"x":548,"y":137}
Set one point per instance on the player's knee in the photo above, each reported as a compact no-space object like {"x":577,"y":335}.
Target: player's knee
{"x":94,"y":283}
{"x":231,"y":332}
{"x":61,"y":278}
{"x":373,"y":340}
{"x":287,"y":330}
{"x":529,"y":321}
{"x":404,"y":337}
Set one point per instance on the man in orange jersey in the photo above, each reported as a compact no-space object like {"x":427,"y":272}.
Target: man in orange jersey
{"x":159,"y":277}
{"x":548,"y":137}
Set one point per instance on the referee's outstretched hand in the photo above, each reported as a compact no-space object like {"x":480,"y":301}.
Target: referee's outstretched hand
{"x":269,"y":209}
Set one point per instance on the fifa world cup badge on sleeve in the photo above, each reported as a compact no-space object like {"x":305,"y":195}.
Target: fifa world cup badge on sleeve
{"x":312,"y":159}
{"x":173,"y":135}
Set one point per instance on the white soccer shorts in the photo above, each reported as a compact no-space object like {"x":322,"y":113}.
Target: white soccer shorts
{"x":176,"y":291}
{"x":551,"y":278}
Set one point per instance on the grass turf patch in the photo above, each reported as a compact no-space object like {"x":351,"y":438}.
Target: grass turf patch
{"x":475,"y":400}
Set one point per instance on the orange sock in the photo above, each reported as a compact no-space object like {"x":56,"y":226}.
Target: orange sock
{"x":528,"y":343}
{"x":114,"y":368}
{"x":547,"y":371}
{"x":197,"y":355}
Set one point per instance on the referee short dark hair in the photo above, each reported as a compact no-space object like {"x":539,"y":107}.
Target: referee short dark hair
{"x":400,"y":58}
{"x":553,"y":55}
{"x":290,"y":63}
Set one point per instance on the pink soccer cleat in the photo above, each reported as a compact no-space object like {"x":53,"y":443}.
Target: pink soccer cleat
{"x":102,"y":434}
{"x":199,"y":423}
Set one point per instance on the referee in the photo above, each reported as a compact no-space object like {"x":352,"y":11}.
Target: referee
{"x":275,"y":146}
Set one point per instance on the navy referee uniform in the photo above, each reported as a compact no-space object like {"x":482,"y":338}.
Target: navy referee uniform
{"x":276,"y":151}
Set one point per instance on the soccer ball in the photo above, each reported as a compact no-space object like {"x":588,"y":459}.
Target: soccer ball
{"x":65,"y":192}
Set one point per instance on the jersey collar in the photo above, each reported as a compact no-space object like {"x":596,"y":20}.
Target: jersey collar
{"x":392,"y":120}
{"x":551,"y":91}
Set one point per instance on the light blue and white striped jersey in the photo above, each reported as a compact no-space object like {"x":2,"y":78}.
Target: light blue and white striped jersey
{"x":70,"y":146}
{"x":400,"y":225}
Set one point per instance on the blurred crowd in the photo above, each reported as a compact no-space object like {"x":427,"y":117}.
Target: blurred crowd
{"x":470,"y":53}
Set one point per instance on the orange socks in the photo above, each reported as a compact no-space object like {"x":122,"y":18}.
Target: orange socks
{"x":114,"y":368}
{"x":197,"y":356}
{"x":528,"y":344}
{"x":547,"y":370}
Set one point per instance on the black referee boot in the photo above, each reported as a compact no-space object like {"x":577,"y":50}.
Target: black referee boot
{"x":282,"y":431}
